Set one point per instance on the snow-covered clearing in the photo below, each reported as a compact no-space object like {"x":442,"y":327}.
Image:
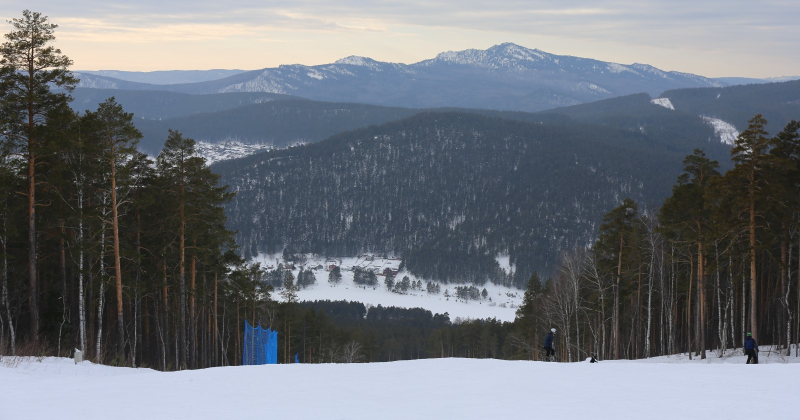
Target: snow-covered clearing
{"x":461,"y":389}
{"x":726,"y":132}
{"x":503,"y":304}
{"x":227,"y":150}
{"x":665,"y":102}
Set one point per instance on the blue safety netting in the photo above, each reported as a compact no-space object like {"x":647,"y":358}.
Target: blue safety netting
{"x":260,"y":346}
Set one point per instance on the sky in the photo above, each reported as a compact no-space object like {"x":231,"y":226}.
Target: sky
{"x":713,"y":38}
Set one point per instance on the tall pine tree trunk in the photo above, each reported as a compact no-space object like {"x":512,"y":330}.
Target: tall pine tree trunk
{"x":101,"y":295}
{"x":617,"y":298}
{"x":701,"y":301}
{"x":63,"y":271}
{"x":753,"y":286}
{"x":786,"y":278}
{"x":216,"y":325}
{"x":182,"y":270}
{"x":689,"y":305}
{"x":81,"y":291}
{"x":33,"y":292}
{"x":651,"y":274}
{"x":165,"y":306}
{"x":721,"y":326}
{"x":192,"y":314}
{"x":10,"y":321}
{"x":117,"y":263}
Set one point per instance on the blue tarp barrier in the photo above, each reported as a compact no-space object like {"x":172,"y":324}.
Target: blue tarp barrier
{"x":260,"y":346}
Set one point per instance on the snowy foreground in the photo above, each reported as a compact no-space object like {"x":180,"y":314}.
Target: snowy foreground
{"x":425,"y":389}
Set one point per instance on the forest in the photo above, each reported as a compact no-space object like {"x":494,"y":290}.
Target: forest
{"x":449,"y":191}
{"x":717,"y":260}
{"x":132,"y":260}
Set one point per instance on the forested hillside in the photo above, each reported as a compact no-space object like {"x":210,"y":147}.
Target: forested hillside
{"x":163,"y":105}
{"x":448,"y":191}
{"x":779,"y":103}
{"x":279,"y":122}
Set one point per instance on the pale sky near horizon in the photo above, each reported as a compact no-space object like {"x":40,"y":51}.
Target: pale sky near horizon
{"x":713,"y":38}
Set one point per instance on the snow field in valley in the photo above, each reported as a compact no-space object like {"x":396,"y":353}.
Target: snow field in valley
{"x":503,"y":305}
{"x":463,"y":389}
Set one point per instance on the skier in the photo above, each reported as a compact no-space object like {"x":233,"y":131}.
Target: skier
{"x":751,"y":349}
{"x":548,"y":346}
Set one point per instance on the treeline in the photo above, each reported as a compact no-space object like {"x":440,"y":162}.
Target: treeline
{"x":718,"y":260}
{"x":389,"y":333}
{"x":102,"y":248}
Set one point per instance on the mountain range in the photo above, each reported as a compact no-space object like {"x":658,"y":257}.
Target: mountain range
{"x":279,"y":120}
{"x":443,"y":161}
{"x":452,"y":190}
{"x":503,"y":77}
{"x":164,"y":77}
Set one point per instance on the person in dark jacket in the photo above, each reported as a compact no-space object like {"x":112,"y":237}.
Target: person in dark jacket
{"x":548,"y":345}
{"x":751,"y":349}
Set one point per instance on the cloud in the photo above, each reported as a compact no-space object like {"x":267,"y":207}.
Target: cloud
{"x":733,"y":27}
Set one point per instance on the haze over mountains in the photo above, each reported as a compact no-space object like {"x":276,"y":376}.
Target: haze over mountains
{"x":164,"y":77}
{"x":503,"y":77}
{"x":281,"y":120}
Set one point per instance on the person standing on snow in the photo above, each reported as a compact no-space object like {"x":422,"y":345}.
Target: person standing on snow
{"x":751,"y":349}
{"x":548,"y":345}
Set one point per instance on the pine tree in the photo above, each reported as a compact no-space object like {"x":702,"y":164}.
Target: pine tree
{"x":686,"y":216}
{"x":118,"y":137}
{"x":335,"y":276}
{"x":29,"y":68}
{"x":784,"y":184}
{"x":746,"y":184}
{"x":615,"y":232}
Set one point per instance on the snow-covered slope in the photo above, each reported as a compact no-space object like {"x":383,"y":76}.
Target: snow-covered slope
{"x":501,"y":302}
{"x":726,"y":132}
{"x":665,"y":102}
{"x":231,"y":149}
{"x":463,"y":389}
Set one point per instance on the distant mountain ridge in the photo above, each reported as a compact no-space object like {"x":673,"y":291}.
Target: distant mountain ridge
{"x":754,"y":81}
{"x":502,"y":77}
{"x":164,"y":77}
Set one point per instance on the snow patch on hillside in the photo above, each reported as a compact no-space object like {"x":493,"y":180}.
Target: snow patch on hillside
{"x":267,"y":81}
{"x":507,"y":55}
{"x":586,"y":86}
{"x":650,"y":69}
{"x":665,"y":102}
{"x":504,"y":261}
{"x":619,"y":68}
{"x":87,"y":81}
{"x":501,"y":302}
{"x":726,"y":132}
{"x":315,"y":74}
{"x":227,"y":150}
{"x":355,"y":60}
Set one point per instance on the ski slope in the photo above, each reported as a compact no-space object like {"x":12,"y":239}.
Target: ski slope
{"x":502,"y":306}
{"x":464,"y":389}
